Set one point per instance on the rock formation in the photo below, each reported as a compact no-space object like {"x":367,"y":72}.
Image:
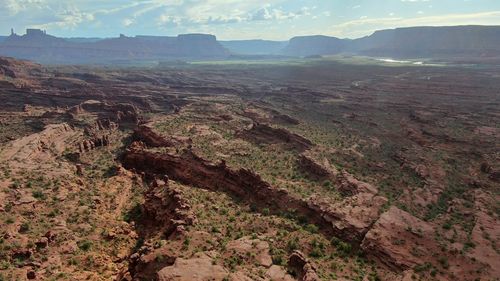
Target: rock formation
{"x":167,"y":207}
{"x":42,"y":47}
{"x":146,"y":134}
{"x":349,"y":219}
{"x":264,"y":134}
{"x":304,"y":270}
{"x":116,"y":112}
{"x":402,"y":241}
{"x":322,"y":170}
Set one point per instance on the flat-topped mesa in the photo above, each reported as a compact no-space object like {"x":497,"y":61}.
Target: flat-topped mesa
{"x":39,"y":46}
{"x":264,"y":134}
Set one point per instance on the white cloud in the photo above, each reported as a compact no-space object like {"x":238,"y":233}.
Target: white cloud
{"x":13,"y":7}
{"x":364,"y":26}
{"x":249,"y":11}
{"x":128,"y":22}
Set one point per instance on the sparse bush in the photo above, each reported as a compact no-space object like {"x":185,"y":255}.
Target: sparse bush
{"x":85,"y":245}
{"x":133,"y":214}
{"x":38,"y":194}
{"x":444,"y":262}
{"x":311,"y":228}
{"x":343,"y":248}
{"x":317,"y":249}
{"x":423,"y":267}
{"x":278,"y":256}
{"x":292,"y":244}
{"x":25,"y":227}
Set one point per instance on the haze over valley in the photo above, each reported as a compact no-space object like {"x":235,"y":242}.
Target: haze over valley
{"x":240,"y":140}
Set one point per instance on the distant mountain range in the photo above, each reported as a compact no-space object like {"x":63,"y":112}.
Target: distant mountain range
{"x":38,"y":46}
{"x":412,"y":42}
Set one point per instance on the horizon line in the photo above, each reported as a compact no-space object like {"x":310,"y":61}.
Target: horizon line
{"x":254,"y":39}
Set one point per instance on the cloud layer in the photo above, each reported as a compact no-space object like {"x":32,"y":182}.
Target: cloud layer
{"x":239,"y":19}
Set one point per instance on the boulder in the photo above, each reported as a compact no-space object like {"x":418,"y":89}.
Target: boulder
{"x":199,"y":268}
{"x":304,"y":270}
{"x":245,"y":246}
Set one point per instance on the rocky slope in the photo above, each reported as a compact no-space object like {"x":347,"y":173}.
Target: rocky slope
{"x":315,"y":172}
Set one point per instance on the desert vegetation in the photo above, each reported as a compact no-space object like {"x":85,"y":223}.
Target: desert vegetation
{"x":313,"y":170}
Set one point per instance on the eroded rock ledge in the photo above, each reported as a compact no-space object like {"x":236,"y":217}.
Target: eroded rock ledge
{"x":349,"y":219}
{"x":188,"y":168}
{"x":394,"y":238}
{"x":261,"y":133}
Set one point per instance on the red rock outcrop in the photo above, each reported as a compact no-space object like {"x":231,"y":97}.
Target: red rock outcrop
{"x":52,"y":141}
{"x":151,"y":138}
{"x":167,"y":207}
{"x":99,"y":134}
{"x":349,"y":185}
{"x":14,"y":68}
{"x":264,"y":134}
{"x":251,"y":250}
{"x":349,"y":219}
{"x":165,"y":211}
{"x":352,"y":217}
{"x":361,"y":206}
{"x":285,"y":119}
{"x":486,"y":233}
{"x":117,"y":112}
{"x":402,"y":241}
{"x":304,"y":270}
{"x":188,"y":168}
{"x":315,"y":168}
{"x":199,"y":268}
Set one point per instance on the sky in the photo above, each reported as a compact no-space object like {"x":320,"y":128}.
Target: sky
{"x":239,"y":19}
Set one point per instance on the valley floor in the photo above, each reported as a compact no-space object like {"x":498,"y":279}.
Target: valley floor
{"x":317,"y":171}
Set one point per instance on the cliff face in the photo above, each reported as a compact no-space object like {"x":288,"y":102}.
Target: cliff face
{"x":315,"y":45}
{"x":432,"y":42}
{"x":413,"y":42}
{"x":47,"y":48}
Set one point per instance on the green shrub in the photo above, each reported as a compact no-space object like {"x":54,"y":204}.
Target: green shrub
{"x":38,"y":194}
{"x":85,"y":245}
{"x":343,"y":248}
{"x":311,"y":228}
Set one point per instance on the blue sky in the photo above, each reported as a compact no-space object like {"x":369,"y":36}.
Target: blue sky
{"x":239,"y":19}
